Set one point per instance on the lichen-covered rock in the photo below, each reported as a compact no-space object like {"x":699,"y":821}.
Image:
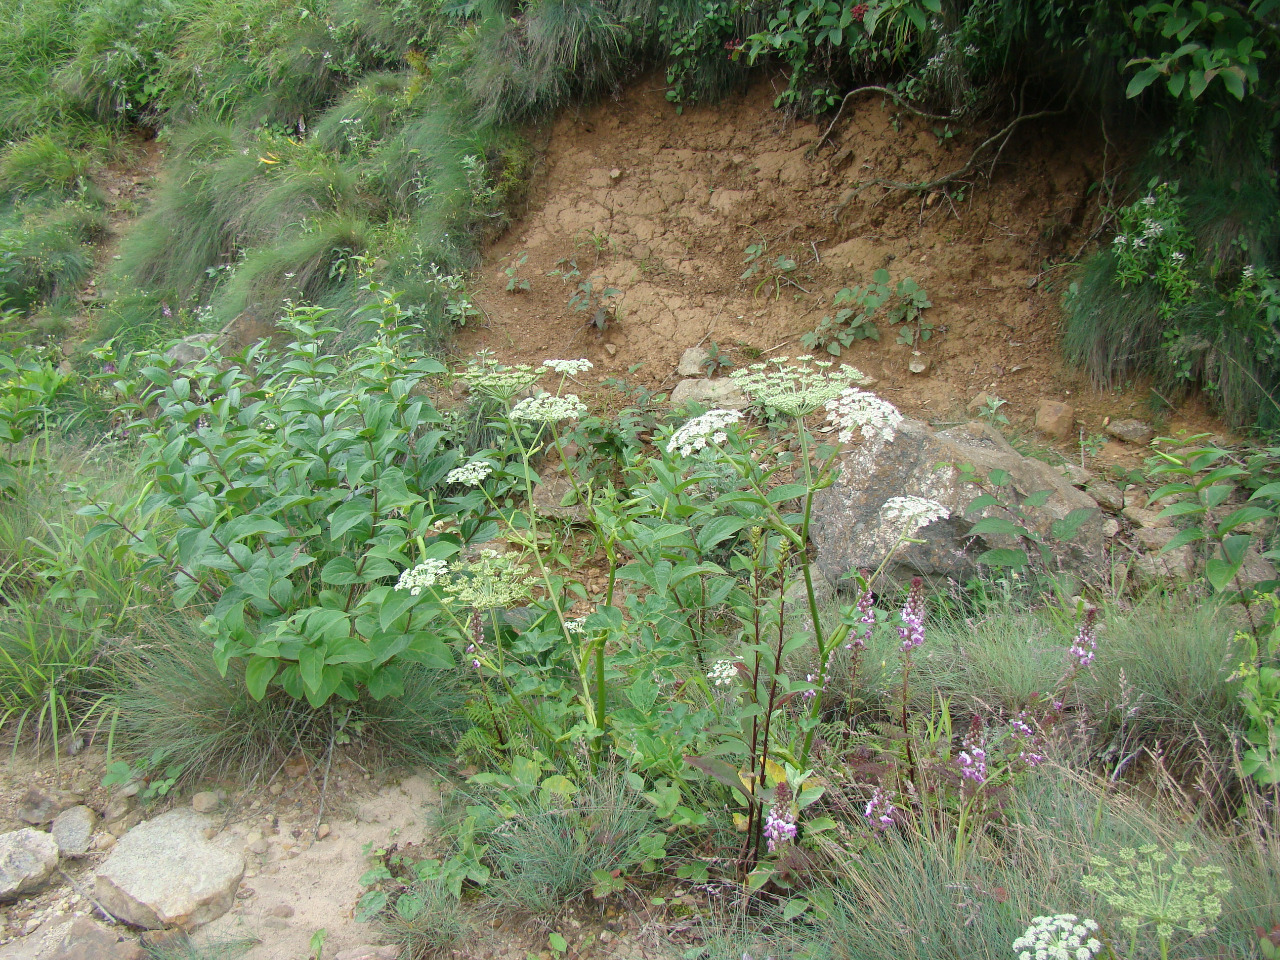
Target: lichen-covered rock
{"x":850,"y":533}
{"x":164,"y":873}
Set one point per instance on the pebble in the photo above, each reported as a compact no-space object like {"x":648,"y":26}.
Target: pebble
{"x":323,"y":832}
{"x":277,"y":789}
{"x":281,"y":911}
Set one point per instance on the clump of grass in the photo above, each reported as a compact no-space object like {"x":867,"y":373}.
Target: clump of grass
{"x":184,"y":948}
{"x":174,"y":701}
{"x":429,"y":922}
{"x":47,"y":254}
{"x":41,"y":164}
{"x":545,"y":853}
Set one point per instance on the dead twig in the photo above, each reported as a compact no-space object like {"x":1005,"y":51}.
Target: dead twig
{"x":897,"y":99}
{"x":1002,"y":137}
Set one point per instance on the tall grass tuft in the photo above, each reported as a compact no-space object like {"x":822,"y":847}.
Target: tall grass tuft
{"x":173,"y":702}
{"x":545,"y":853}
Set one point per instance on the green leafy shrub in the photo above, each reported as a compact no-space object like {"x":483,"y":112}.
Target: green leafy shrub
{"x":291,"y":528}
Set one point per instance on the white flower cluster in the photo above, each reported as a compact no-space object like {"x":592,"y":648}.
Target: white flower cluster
{"x":1178,"y":257}
{"x":472,"y":474}
{"x":546,"y":408}
{"x":795,"y":391}
{"x":576,"y":625}
{"x":1152,"y":228}
{"x":497,"y":380}
{"x":492,"y":581}
{"x":872,"y":416}
{"x":912,"y":513}
{"x":1061,"y":937}
{"x":723,"y":672}
{"x":701,"y":431}
{"x":570,"y":368}
{"x":425,"y":574}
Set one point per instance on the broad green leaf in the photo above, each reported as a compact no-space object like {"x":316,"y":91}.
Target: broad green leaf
{"x":258,"y":675}
{"x":1070,"y":525}
{"x":1014,"y":559}
{"x":354,"y":511}
{"x":999,"y":526}
{"x":1220,"y":573}
{"x":1140,"y":81}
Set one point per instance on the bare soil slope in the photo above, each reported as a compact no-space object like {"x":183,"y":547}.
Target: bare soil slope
{"x":663,"y":206}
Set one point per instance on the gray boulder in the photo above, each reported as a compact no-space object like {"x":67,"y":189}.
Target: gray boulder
{"x":164,"y":873}
{"x":850,"y":534}
{"x":27,"y":858}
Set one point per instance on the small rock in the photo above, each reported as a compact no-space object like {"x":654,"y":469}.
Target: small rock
{"x":918,"y":364}
{"x":87,"y":939}
{"x":1108,"y":495}
{"x":1110,"y":528}
{"x":323,"y":831}
{"x":693,"y":363}
{"x":724,"y":394}
{"x":276,"y":789}
{"x":38,"y":806}
{"x":555,"y":497}
{"x":297,"y":767}
{"x":103,"y":841}
{"x":611,"y":349}
{"x":27,"y":859}
{"x":205,"y":802}
{"x":254,"y":842}
{"x":1130,"y":431}
{"x":73,"y":830}
{"x":1056,"y":419}
{"x":281,"y":911}
{"x":615,"y":173}
{"x":164,"y":873}
{"x":244,"y":893}
{"x":191,"y":349}
{"x":605,"y":936}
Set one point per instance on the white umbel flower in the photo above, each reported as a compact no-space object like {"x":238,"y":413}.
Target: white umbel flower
{"x":795,"y":391}
{"x":546,"y":408}
{"x":701,"y":431}
{"x":870,"y":415}
{"x":570,"y":368}
{"x":497,"y":380}
{"x":912,"y":513}
{"x":1061,"y":937}
{"x":472,"y":474}
{"x":424,"y":575}
{"x":723,"y":672}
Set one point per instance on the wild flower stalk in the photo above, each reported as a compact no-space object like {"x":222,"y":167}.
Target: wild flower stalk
{"x":911,"y":633}
{"x":780,"y":824}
